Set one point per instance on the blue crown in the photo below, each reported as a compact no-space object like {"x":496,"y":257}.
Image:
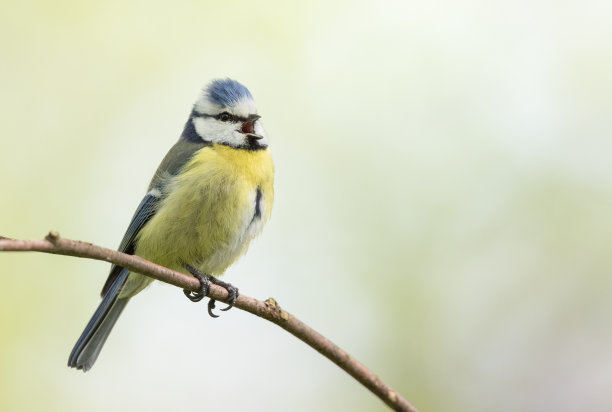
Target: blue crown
{"x":226,"y":92}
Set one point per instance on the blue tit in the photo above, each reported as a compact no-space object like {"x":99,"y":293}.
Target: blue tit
{"x":210,"y":196}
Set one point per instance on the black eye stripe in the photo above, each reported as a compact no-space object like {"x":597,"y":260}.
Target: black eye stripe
{"x":224,"y":117}
{"x":227,"y":117}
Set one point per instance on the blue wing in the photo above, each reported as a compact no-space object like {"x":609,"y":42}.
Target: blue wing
{"x":89,"y":345}
{"x":143,"y":214}
{"x":176,"y":158}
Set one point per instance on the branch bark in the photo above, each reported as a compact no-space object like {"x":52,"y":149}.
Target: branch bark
{"x":269,"y":309}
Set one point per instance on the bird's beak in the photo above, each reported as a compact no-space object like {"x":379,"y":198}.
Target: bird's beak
{"x":248,"y":126}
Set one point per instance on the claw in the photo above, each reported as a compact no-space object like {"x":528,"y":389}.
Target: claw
{"x":211,"y":306}
{"x":205,"y":281}
{"x":204,"y":285}
{"x":232,"y":292}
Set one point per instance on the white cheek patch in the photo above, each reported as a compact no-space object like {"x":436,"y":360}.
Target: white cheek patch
{"x":215,"y":131}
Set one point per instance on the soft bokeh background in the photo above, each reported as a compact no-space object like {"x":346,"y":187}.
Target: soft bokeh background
{"x":443,"y":209}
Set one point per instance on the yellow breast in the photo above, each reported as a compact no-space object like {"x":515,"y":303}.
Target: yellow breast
{"x":213,"y":209}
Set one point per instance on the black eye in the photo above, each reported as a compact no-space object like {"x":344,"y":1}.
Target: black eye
{"x":224,"y":117}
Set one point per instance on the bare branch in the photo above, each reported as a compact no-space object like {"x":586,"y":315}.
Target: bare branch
{"x":269,"y":310}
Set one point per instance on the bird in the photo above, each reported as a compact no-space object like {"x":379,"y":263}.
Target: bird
{"x":210,"y":196}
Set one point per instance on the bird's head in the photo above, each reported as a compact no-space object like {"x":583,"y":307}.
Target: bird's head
{"x":225,"y":113}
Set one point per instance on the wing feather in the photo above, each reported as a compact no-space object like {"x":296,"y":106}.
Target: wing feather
{"x":176,"y":158}
{"x":143,"y":214}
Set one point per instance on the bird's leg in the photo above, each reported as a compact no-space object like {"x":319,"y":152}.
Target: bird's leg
{"x":205,"y":281}
{"x":204,"y":285}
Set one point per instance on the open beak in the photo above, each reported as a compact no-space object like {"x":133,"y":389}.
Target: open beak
{"x":248,"y":127}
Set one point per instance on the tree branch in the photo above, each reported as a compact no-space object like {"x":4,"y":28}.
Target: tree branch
{"x":269,"y":310}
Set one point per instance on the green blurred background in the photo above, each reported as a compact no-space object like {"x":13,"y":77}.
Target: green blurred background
{"x":443,"y":201}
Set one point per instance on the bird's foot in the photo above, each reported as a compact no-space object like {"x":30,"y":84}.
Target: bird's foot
{"x":204,"y":285}
{"x":205,"y":282}
{"x":232,"y":295}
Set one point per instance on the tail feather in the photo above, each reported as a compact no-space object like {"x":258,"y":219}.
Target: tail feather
{"x":89,"y":345}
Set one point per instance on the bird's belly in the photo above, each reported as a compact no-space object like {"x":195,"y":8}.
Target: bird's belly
{"x":208,"y":226}
{"x":212,"y":210}
{"x":237,"y":244}
{"x":210,"y":246}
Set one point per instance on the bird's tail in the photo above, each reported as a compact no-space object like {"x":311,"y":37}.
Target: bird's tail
{"x":89,"y":345}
